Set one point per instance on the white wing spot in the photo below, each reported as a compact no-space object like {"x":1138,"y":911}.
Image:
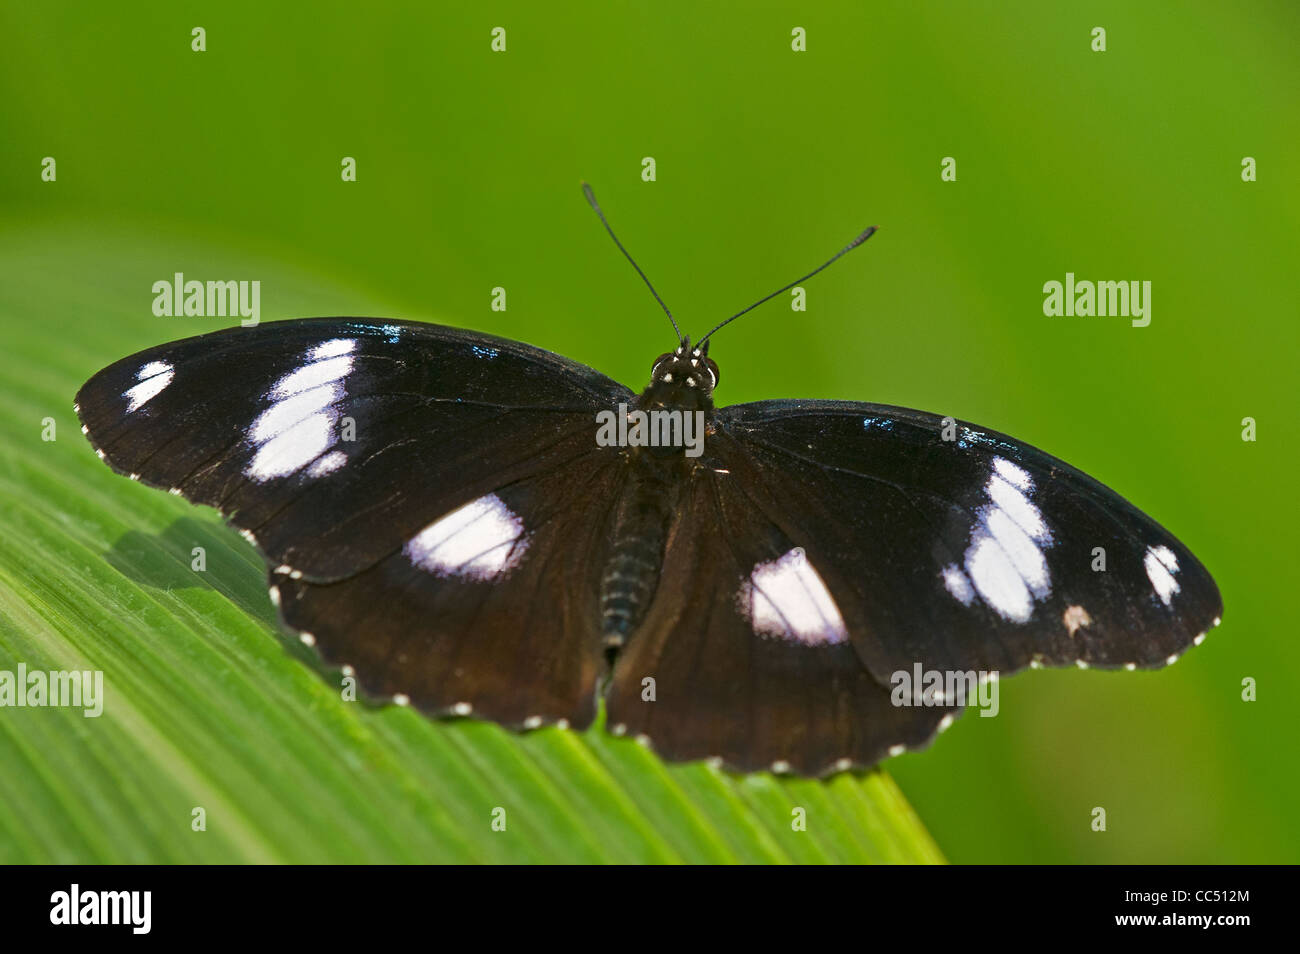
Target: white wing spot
{"x":1005,"y":562}
{"x":1023,"y":553}
{"x":998,"y":581}
{"x":1017,"y":506}
{"x":287,"y":412}
{"x":1013,"y":474}
{"x":1161,"y":565}
{"x":153,"y":377}
{"x":312,"y":375}
{"x":331,"y":349}
{"x":958,"y":584}
{"x":786,"y":598}
{"x":479,"y":541}
{"x":1075,"y":618}
{"x":298,"y":427}
{"x":295,"y":448}
{"x":327,"y":464}
{"x":1167,"y":557}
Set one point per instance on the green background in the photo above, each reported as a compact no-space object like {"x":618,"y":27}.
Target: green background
{"x":225,"y":164}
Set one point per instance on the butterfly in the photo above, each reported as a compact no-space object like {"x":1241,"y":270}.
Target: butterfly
{"x":440,"y":519}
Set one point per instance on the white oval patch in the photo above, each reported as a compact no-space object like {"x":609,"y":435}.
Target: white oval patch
{"x":1161,"y":565}
{"x":786,"y":598}
{"x":480,"y":541}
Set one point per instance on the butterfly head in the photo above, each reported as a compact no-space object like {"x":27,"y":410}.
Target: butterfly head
{"x":683,"y":378}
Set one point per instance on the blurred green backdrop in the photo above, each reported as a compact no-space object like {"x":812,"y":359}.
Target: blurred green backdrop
{"x":1123,"y":164}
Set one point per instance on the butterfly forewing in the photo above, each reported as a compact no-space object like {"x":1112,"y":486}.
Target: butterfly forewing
{"x":330,"y":441}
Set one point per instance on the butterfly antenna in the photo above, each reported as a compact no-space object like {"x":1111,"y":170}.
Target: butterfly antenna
{"x":591,"y":199}
{"x":844,"y":251}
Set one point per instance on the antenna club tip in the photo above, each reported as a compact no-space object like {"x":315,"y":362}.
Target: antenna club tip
{"x":863,"y":237}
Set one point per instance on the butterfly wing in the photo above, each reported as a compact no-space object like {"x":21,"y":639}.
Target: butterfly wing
{"x":344,"y":447}
{"x":961,"y":548}
{"x":743,"y":657}
{"x":826,"y":547}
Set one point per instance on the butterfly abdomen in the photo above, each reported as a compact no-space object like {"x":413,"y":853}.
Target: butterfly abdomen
{"x":637,"y":550}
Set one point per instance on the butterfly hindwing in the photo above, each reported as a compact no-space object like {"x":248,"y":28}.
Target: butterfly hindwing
{"x":490,"y":610}
{"x":743,"y":656}
{"x":977,"y":552}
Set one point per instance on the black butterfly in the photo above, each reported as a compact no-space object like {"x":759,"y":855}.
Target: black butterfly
{"x":439,"y":518}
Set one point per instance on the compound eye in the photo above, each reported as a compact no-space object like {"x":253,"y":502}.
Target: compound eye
{"x":712,"y":368}
{"x":654,"y":368}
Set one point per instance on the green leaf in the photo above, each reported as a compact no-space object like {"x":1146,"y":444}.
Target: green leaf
{"x":209,"y":706}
